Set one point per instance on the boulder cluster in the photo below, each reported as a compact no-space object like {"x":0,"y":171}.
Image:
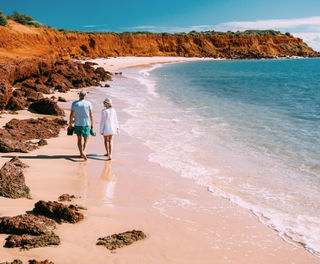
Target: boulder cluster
{"x":32,"y":261}
{"x":22,"y":87}
{"x":17,"y":134}
{"x":36,"y":228}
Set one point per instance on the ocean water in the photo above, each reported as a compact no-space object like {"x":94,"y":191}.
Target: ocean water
{"x":246,"y":130}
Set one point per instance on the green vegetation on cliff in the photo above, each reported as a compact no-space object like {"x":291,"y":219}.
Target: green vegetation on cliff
{"x":191,"y":33}
{"x":3,"y":19}
{"x":24,"y":19}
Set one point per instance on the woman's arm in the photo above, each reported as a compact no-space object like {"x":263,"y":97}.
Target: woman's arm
{"x":102,"y":121}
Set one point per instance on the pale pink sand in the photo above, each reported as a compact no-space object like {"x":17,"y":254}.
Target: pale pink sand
{"x":184,"y":223}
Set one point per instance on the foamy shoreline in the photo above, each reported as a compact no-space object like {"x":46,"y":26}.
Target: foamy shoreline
{"x":130,"y":195}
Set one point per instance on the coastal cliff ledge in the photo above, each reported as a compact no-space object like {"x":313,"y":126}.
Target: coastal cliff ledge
{"x":19,"y":41}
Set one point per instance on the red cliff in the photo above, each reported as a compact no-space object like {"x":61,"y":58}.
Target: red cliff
{"x":18,"y":41}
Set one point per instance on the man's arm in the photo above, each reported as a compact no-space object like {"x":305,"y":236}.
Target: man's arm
{"x":71,"y":118}
{"x":91,"y":117}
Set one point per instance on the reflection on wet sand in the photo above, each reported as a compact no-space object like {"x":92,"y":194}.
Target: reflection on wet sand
{"x":81,"y":182}
{"x":96,"y":188}
{"x":106,"y":183}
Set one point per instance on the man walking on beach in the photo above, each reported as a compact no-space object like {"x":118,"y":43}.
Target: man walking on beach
{"x":81,"y":115}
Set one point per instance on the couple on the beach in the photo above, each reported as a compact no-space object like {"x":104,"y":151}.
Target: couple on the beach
{"x":81,"y":115}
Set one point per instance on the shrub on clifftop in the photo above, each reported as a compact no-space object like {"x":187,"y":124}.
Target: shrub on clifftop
{"x":3,"y":19}
{"x":24,"y":19}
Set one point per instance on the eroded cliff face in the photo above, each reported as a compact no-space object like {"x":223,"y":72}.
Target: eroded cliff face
{"x":34,"y":54}
{"x":18,"y":41}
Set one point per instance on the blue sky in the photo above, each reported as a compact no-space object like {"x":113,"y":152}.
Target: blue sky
{"x":302,"y":18}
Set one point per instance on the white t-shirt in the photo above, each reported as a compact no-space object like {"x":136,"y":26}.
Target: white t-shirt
{"x":109,"y":122}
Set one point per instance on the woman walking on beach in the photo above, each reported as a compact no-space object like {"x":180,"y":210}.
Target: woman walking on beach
{"x":109,"y":125}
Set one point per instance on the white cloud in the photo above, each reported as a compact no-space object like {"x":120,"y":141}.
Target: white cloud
{"x":90,"y":26}
{"x":308,"y":22}
{"x":311,"y":38}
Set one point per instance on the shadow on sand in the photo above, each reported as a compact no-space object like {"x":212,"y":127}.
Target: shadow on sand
{"x":73,"y":158}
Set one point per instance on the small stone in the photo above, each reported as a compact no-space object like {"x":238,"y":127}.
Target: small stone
{"x":66,"y":197}
{"x":120,"y":240}
{"x":61,"y":99}
{"x":42,"y":142}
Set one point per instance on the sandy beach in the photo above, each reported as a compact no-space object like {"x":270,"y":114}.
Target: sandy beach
{"x":184,"y":223}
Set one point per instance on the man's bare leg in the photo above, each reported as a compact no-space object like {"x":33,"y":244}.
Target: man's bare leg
{"x":85,"y":141}
{"x":80,"y":147}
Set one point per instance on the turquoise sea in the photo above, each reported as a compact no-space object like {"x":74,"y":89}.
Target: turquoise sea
{"x":247,"y":130}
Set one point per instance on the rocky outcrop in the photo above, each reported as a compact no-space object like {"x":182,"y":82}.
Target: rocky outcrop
{"x":58,"y":211}
{"x":32,"y":128}
{"x":34,"y":77}
{"x":37,"y":85}
{"x":15,"y":136}
{"x":8,"y":145}
{"x":12,"y":180}
{"x":5,"y":92}
{"x":50,"y":43}
{"x":26,"y":224}
{"x":120,"y":240}
{"x":29,"y":231}
{"x":40,"y":262}
{"x":18,"y":261}
{"x":29,"y":241}
{"x":47,"y":106}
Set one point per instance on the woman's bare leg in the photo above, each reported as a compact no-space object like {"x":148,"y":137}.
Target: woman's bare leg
{"x":110,"y":145}
{"x":106,"y":145}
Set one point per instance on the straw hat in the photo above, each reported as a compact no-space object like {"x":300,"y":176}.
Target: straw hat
{"x":107,"y":101}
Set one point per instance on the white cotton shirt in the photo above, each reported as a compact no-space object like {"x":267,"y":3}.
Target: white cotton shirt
{"x":109,"y":122}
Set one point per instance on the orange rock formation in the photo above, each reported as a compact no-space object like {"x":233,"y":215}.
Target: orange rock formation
{"x":18,"y":41}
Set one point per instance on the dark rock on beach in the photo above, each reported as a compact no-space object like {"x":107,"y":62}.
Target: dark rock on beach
{"x":40,"y":262}
{"x":5,"y":93}
{"x":28,"y":241}
{"x":42,"y":142}
{"x":28,"y":129}
{"x":58,"y":211}
{"x":61,"y":99}
{"x":16,"y":133}
{"x":10,"y":145}
{"x":16,"y":103}
{"x":16,"y":261}
{"x":12,"y":180}
{"x":67,"y":197}
{"x":35,"y":77}
{"x":104,"y":75}
{"x":37,"y":85}
{"x":29,"y":231}
{"x":120,"y":240}
{"x":47,"y":106}
{"x":27,"y":224}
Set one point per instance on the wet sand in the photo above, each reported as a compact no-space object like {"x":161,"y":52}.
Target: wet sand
{"x":184,"y":223}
